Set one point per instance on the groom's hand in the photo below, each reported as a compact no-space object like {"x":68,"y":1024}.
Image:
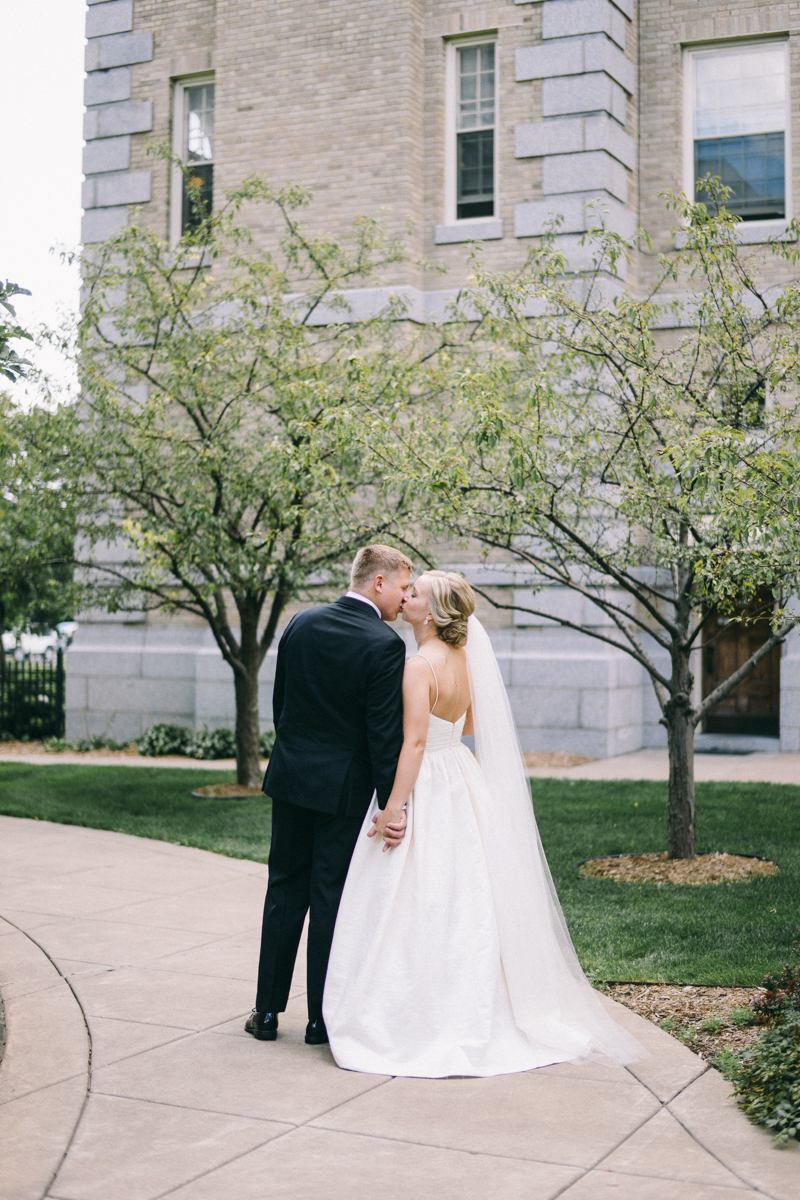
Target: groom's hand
{"x":391,"y":827}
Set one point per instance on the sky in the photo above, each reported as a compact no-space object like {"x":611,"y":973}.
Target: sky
{"x":41,"y":99}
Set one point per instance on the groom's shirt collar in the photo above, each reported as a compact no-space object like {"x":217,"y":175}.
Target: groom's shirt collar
{"x":364,"y":600}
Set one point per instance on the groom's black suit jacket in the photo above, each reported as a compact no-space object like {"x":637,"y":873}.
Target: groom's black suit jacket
{"x":338,"y":709}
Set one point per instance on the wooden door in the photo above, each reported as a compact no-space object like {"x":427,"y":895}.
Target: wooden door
{"x":753,"y":707}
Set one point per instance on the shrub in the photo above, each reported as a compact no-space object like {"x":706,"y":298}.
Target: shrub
{"x":164,"y":739}
{"x":779,"y":994}
{"x":266,"y":741}
{"x":98,"y":742}
{"x":212,"y":743}
{"x":55,"y":745}
{"x":766,"y":1078}
{"x":742,"y":1017}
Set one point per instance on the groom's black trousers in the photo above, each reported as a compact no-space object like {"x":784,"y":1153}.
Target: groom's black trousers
{"x":308,"y":861}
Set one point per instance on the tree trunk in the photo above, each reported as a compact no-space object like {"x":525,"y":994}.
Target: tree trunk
{"x":680,"y":741}
{"x":248,"y":769}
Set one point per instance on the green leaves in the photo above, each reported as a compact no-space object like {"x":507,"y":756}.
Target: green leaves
{"x":12,"y":367}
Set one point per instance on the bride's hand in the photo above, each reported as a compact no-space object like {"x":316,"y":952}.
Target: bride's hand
{"x":391,"y":827}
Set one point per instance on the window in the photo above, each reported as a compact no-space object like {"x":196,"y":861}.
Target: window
{"x":475,"y":107}
{"x":193,"y":124}
{"x":738,"y":98}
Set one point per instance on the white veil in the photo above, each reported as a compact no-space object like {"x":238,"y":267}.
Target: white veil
{"x":551,"y":998}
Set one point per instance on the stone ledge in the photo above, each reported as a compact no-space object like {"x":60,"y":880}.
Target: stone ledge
{"x":104,"y":87}
{"x":100,"y":223}
{"x":468,"y":231}
{"x":114,"y":16}
{"x":575,"y":56}
{"x":106,"y":191}
{"x":569,"y":135}
{"x":591,"y":92}
{"x":568,"y":18}
{"x":121,"y":117}
{"x":118,"y":50}
{"x":567,"y":173}
{"x":107,"y":154}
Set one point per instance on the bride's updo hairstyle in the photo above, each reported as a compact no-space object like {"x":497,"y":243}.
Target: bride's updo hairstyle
{"x":451,"y":602}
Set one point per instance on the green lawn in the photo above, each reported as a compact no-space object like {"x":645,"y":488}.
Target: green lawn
{"x":151,"y":802}
{"x":724,"y":934}
{"x":727,"y":934}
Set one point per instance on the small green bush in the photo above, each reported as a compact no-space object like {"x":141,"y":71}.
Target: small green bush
{"x":164,"y":739}
{"x":766,"y":1078}
{"x":778,"y":994}
{"x":55,"y":745}
{"x":206,"y":744}
{"x":742,"y":1017}
{"x":212,"y":743}
{"x":98,"y":742}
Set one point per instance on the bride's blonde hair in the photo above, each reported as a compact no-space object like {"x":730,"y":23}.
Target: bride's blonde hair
{"x":451,"y":602}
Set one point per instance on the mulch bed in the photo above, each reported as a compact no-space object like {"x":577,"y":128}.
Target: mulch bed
{"x":682,"y":1011}
{"x":558,"y":758}
{"x":700,"y":871}
{"x":227,"y":791}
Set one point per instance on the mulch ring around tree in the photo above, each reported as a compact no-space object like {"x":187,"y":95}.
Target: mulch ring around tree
{"x":700,"y":871}
{"x":706,"y":1019}
{"x":227,"y":791}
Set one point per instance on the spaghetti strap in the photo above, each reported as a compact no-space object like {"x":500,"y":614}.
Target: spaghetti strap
{"x":435,"y":680}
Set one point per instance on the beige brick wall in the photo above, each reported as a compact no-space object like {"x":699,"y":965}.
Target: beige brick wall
{"x":664,"y":29}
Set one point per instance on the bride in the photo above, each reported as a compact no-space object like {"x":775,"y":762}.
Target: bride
{"x":451,"y":955}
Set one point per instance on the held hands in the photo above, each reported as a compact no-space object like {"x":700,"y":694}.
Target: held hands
{"x":391,"y":826}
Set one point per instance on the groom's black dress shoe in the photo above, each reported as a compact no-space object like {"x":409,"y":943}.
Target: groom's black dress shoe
{"x":316,"y":1033}
{"x":263,"y":1026}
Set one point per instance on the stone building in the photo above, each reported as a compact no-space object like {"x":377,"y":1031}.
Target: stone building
{"x":472,"y":121}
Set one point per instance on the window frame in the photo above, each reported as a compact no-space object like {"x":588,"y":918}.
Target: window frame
{"x":764,"y":225}
{"x":179,"y":89}
{"x":452,"y":46}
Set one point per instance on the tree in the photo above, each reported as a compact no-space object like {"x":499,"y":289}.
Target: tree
{"x":12,"y":367}
{"x":36,"y":584}
{"x":213,"y":443}
{"x":640,"y":452}
{"x":36,"y":589}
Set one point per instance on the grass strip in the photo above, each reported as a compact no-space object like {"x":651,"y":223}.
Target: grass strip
{"x":151,"y":802}
{"x":729,"y":934}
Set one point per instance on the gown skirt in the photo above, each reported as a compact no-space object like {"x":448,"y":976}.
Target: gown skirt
{"x":416,"y":984}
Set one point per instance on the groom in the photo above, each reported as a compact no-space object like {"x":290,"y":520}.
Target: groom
{"x":338,"y":715}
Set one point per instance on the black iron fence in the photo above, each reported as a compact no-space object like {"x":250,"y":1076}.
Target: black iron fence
{"x":32,"y":697}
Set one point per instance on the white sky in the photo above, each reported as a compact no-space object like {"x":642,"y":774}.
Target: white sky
{"x":41,"y":99}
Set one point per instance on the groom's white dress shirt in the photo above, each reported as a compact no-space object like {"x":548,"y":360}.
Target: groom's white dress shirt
{"x":364,"y":600}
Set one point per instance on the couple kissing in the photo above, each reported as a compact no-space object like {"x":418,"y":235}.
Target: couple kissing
{"x":436,"y":942}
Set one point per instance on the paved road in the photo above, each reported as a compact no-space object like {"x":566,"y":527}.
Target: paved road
{"x":128,"y":968}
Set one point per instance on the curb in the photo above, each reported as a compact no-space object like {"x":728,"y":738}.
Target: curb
{"x":44,"y":1077}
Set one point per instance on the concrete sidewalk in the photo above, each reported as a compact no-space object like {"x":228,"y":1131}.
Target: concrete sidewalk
{"x":654,"y":764}
{"x":640,"y":764}
{"x":95,"y":759}
{"x":128,"y":969}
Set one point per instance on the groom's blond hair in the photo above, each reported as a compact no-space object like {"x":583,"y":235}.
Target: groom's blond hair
{"x":377,"y":560}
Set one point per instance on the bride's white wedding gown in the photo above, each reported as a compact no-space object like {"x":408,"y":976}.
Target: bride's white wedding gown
{"x":450,"y":955}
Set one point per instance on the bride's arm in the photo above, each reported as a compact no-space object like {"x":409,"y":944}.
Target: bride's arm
{"x":416,"y":714}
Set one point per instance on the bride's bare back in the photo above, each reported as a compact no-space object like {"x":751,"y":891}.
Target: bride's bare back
{"x":449,"y":671}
